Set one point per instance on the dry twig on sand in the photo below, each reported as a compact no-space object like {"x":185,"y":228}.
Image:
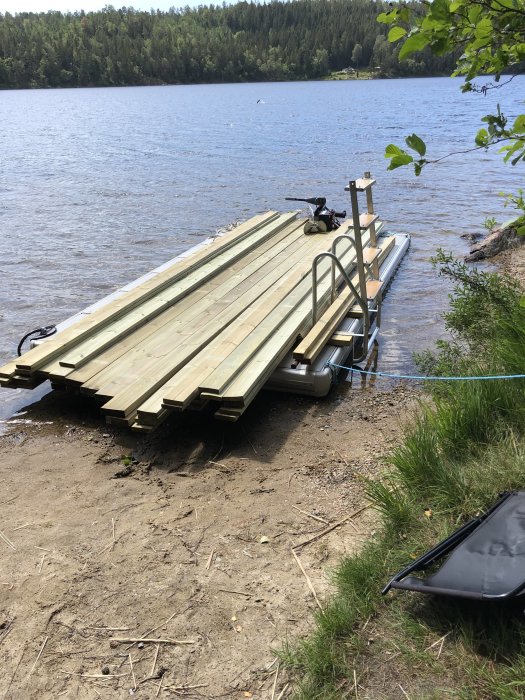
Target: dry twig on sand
{"x":310,"y":585}
{"x":7,"y":540}
{"x":227,"y":590}
{"x":183,"y":689}
{"x":311,"y":515}
{"x":152,"y":672}
{"x":275,"y":681}
{"x":94,"y":675}
{"x":16,"y":669}
{"x":132,"y":672}
{"x":150,"y":640}
{"x":283,"y":691}
{"x":332,"y":527}
{"x":39,"y":655}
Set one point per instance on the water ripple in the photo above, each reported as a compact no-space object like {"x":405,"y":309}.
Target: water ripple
{"x":100,"y":185}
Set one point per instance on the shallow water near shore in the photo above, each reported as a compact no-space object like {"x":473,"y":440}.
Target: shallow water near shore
{"x":98,"y":186}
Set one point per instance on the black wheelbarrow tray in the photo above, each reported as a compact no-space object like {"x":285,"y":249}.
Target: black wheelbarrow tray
{"x":486,"y":557}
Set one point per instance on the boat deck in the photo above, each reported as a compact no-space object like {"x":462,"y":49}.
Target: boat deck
{"x":215,"y":324}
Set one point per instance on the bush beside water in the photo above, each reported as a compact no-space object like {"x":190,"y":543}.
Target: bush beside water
{"x":464,"y":447}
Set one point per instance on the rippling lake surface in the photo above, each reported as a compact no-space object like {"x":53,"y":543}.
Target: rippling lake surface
{"x":98,"y":186}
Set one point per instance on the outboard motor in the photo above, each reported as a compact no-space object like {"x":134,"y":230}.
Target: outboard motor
{"x":324,"y":219}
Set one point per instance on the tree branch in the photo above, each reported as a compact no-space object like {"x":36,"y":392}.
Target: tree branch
{"x":469,"y":150}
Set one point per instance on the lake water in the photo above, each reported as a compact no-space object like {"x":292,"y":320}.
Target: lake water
{"x":98,"y":186}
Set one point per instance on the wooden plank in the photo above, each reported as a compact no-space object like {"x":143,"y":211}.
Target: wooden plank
{"x":152,"y":307}
{"x":341,"y":339}
{"x":373,"y":288}
{"x":181,"y":390}
{"x":255,"y":294}
{"x":67,"y":338}
{"x":309,"y":348}
{"x":362,"y":184}
{"x":140,"y":428}
{"x":20,"y":382}
{"x":229,"y":416}
{"x":367,"y":220}
{"x":195,"y":301}
{"x":150,"y":375}
{"x":245,"y":387}
{"x":256,"y":388}
{"x":184,"y":330}
{"x":372,"y":292}
{"x":370,"y":255}
{"x":269,"y":355}
{"x":8,"y":371}
{"x":299,"y":302}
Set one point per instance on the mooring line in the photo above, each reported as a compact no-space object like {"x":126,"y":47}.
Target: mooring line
{"x":388,"y":375}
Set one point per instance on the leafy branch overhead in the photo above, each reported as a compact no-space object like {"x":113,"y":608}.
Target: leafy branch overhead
{"x":490,"y":34}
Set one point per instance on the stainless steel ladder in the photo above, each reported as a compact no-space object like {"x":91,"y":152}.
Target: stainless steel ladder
{"x":367,"y":294}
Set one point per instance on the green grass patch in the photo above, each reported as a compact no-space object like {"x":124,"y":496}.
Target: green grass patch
{"x":465,"y":446}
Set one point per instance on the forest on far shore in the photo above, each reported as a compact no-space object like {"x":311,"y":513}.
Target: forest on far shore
{"x":299,"y":40}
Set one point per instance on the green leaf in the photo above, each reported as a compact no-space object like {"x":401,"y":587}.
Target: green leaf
{"x":483,"y":28}
{"x":520,"y":51}
{"x":511,"y":149}
{"x":393,"y":150}
{"x":442,"y":46}
{"x":398,"y":161}
{"x":521,"y":232}
{"x":416,"y":42}
{"x":482,"y":137}
{"x":519,"y":124}
{"x":404,"y":14}
{"x":396,"y":33}
{"x":474,"y":13}
{"x":387,"y":17}
{"x":397,"y":156}
{"x":415,"y":143}
{"x":439,"y":9}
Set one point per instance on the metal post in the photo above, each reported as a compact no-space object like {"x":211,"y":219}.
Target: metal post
{"x":373,"y":235}
{"x":357,"y":239}
{"x":370,"y":210}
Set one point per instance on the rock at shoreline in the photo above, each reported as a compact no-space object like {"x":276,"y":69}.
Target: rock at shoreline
{"x":496,"y":242}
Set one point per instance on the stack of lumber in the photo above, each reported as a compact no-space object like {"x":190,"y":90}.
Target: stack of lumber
{"x":214,"y":325}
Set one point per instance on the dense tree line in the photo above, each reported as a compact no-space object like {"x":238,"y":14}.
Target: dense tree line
{"x":242,"y":42}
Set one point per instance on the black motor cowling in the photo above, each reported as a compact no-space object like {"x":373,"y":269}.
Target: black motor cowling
{"x":324,"y":219}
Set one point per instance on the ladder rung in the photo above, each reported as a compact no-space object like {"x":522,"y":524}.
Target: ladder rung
{"x":366,"y":220}
{"x":356,"y":312}
{"x":362,"y":184}
{"x":373,"y":288}
{"x":341,"y":339}
{"x":370,"y":254}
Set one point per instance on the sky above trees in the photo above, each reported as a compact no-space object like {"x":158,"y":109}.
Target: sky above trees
{"x":14,"y":6}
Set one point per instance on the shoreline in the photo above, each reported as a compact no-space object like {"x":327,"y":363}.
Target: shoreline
{"x":195,"y":521}
{"x":185,"y":534}
{"x":366,"y":75}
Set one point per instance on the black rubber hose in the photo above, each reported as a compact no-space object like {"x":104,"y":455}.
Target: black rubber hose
{"x":39,"y":333}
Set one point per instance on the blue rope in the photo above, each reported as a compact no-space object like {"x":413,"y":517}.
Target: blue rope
{"x":426,"y":379}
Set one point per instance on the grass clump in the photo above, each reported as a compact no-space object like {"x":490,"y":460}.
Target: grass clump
{"x":464,"y":447}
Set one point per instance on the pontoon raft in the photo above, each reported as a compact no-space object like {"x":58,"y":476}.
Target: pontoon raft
{"x":264,"y":305}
